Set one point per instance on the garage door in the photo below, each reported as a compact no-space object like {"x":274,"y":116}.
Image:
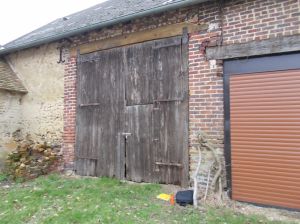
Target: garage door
{"x":265,"y":137}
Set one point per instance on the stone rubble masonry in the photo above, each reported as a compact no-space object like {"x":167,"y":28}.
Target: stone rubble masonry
{"x":238,"y":22}
{"x":39,"y":112}
{"x":10,"y":121}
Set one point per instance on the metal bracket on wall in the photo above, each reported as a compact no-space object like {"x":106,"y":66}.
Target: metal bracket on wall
{"x":185,"y":35}
{"x":60,"y":55}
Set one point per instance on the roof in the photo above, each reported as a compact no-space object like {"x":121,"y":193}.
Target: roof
{"x":99,"y":16}
{"x":9,"y":80}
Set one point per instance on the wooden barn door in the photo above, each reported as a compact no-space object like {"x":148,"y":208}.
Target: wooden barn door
{"x":100,"y":113}
{"x":132,"y":119}
{"x":157,"y":112}
{"x":170,"y":116}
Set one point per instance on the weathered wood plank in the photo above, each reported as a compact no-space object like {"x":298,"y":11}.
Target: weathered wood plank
{"x":253,"y":48}
{"x":137,"y":37}
{"x":185,"y":106}
{"x":169,"y":118}
{"x":139,"y":74}
{"x":139,"y":153}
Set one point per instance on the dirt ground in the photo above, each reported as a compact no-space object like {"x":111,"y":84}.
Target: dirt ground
{"x":270,"y":213}
{"x":244,"y":208}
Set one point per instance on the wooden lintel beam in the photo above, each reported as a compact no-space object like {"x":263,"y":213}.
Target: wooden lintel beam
{"x":137,"y":37}
{"x":253,"y":48}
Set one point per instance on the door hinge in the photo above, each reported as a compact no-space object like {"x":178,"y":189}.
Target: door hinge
{"x":168,"y":164}
{"x":89,"y":104}
{"x":167,"y":100}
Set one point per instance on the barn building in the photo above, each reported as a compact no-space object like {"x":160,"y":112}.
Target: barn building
{"x":135,"y":82}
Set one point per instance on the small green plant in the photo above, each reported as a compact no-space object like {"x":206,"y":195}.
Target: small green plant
{"x":3,"y":177}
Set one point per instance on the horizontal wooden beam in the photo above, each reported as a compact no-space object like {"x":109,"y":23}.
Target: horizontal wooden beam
{"x":137,"y":37}
{"x":253,"y":48}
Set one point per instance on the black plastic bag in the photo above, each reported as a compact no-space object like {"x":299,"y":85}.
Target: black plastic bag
{"x":184,"y":198}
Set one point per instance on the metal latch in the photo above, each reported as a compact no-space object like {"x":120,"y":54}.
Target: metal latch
{"x":126,"y":134}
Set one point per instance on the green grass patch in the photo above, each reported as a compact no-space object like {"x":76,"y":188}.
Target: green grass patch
{"x":3,"y":177}
{"x":229,"y":217}
{"x":55,"y":199}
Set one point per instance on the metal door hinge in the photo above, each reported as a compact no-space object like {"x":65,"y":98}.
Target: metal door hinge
{"x":168,"y":164}
{"x":89,"y":104}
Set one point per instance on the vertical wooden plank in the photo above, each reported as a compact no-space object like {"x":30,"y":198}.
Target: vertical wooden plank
{"x":185,"y":106}
{"x":170,"y":117}
{"x":111,"y":96}
{"x":139,"y":99}
{"x":84,"y":123}
{"x":139,"y":74}
{"x":167,"y":68}
{"x":139,"y":156}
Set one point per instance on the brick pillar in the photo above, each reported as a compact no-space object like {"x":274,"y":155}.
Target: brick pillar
{"x":69,"y":113}
{"x":206,"y":95}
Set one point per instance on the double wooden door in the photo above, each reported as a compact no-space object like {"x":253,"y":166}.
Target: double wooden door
{"x":132,"y":112}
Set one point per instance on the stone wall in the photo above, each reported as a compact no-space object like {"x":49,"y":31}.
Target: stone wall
{"x":42,"y":106}
{"x":39,"y":113}
{"x":10,"y":122}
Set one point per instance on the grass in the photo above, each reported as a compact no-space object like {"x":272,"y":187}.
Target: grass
{"x":3,"y":177}
{"x":56,"y":199}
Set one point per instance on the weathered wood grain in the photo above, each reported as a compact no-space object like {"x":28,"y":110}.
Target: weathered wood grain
{"x":100,"y":82}
{"x":170,"y":116}
{"x":139,"y":74}
{"x":132,"y":115}
{"x":263,"y":47}
{"x":137,"y":37}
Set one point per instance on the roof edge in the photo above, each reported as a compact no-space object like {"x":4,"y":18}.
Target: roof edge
{"x":17,"y":85}
{"x":23,"y":92}
{"x":126,"y":18}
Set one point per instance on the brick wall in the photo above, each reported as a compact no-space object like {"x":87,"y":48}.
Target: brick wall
{"x":260,"y":19}
{"x":238,"y":21}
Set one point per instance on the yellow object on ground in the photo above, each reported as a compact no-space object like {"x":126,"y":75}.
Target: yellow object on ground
{"x":165,"y":197}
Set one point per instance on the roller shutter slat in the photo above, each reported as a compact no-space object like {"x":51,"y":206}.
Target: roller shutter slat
{"x":254,"y":199}
{"x":264,"y":176}
{"x":257,"y":196}
{"x":263,"y":92}
{"x":287,"y":183}
{"x":265,"y":158}
{"x":291,"y":193}
{"x":267,"y":154}
{"x":265,"y":137}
